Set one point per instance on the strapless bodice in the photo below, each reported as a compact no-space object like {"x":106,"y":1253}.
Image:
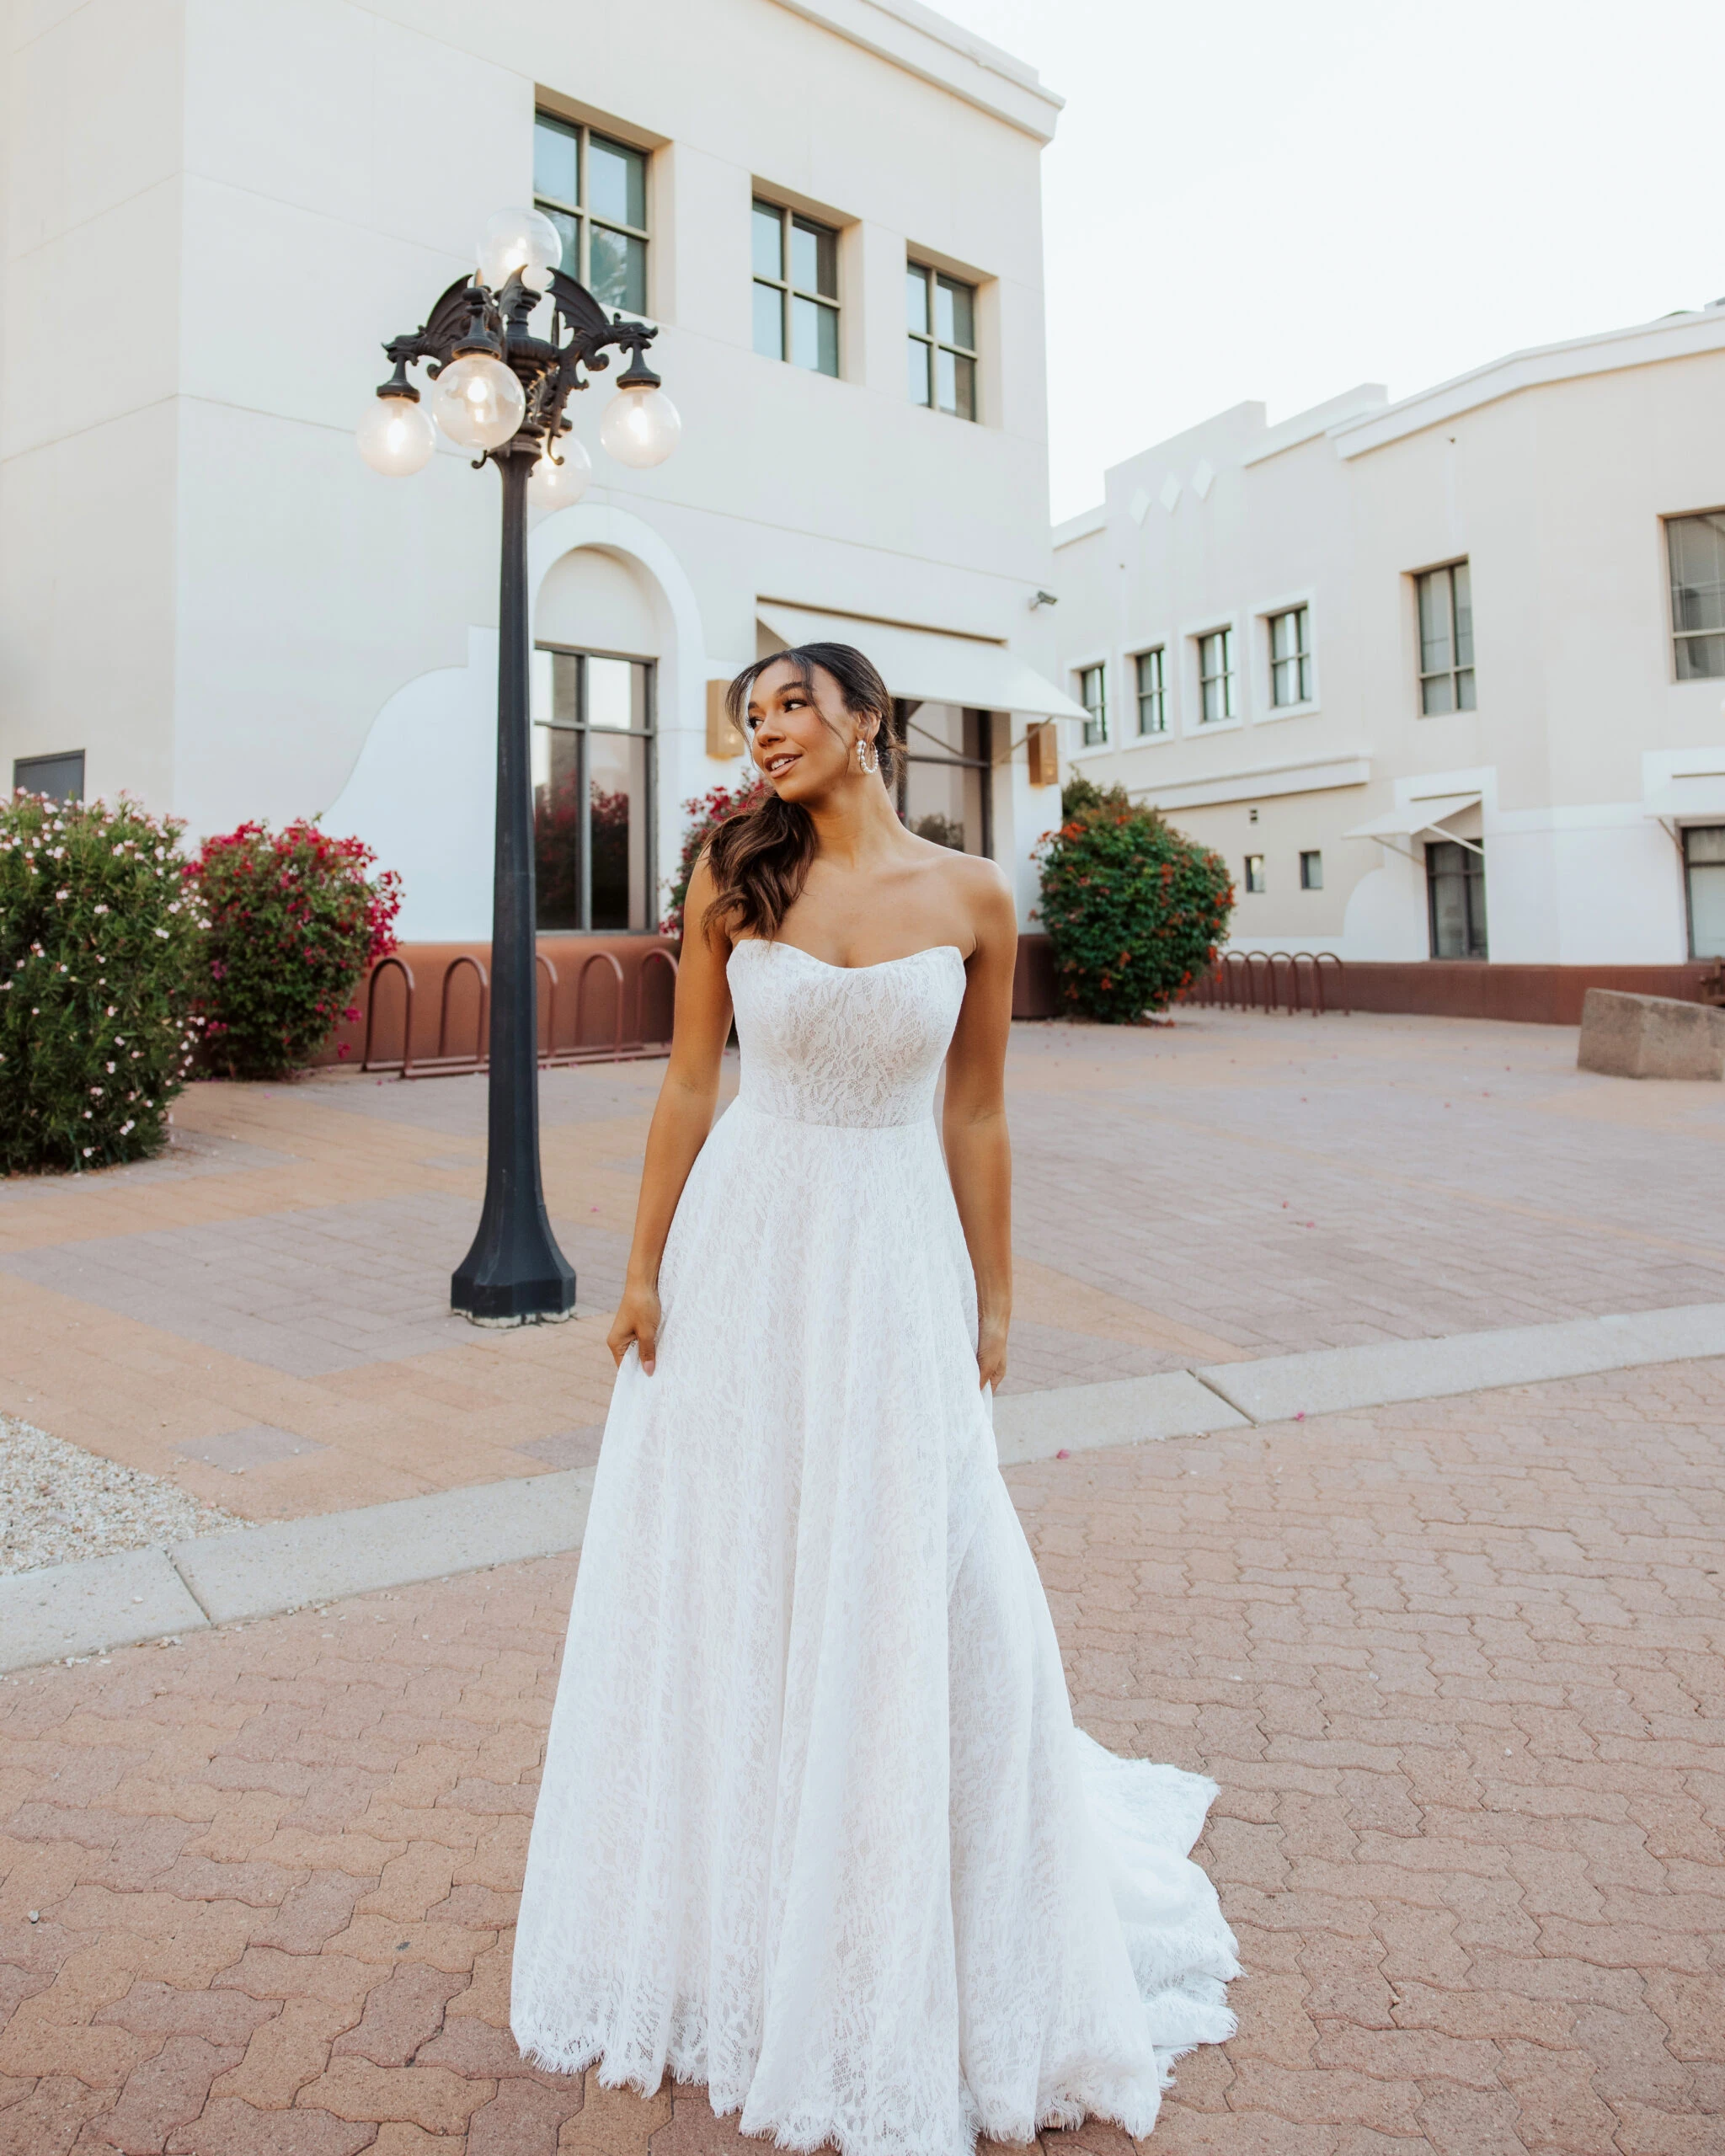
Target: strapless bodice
{"x":856,"y":1045}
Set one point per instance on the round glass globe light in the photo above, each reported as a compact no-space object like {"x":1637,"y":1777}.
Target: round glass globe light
{"x":641,"y":427}
{"x":520,"y":239}
{"x":556,"y":486}
{"x":478,"y":401}
{"x":396,"y":437}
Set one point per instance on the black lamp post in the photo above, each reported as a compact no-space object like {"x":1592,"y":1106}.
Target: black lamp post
{"x":499,"y":389}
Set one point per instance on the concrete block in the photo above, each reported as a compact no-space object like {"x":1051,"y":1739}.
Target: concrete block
{"x":92,"y":1604}
{"x":1650,"y":1036}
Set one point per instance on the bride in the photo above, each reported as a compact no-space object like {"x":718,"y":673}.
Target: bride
{"x":816,"y":1828}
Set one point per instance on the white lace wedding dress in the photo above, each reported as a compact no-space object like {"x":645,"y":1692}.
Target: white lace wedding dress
{"x":816,"y":1828}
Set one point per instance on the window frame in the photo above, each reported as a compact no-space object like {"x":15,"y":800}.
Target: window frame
{"x":1095,"y":735}
{"x":934,"y":344}
{"x":21,"y":766}
{"x":1455,"y":672}
{"x":789,"y":291}
{"x":586,"y":218}
{"x":1228,"y":674}
{"x":1311,"y":869}
{"x":905,"y":711}
{"x":1689,"y":865}
{"x":583,"y":729}
{"x":1472,"y":873}
{"x":1254,"y":877}
{"x":1681,"y":637}
{"x":1156,"y":695}
{"x":1300,"y":658}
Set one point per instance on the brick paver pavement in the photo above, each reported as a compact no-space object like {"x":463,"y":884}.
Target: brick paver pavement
{"x":263,"y":1316}
{"x":1454,"y":1665}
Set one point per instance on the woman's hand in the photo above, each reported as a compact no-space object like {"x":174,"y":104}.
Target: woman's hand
{"x":991,"y":1350}
{"x":637,"y":1319}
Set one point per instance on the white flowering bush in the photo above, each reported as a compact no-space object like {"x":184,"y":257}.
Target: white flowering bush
{"x":99,"y":950}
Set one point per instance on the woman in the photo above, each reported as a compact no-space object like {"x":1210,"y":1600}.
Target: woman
{"x":815,"y":1826}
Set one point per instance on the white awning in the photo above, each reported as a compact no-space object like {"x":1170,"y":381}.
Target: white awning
{"x":1413,"y":817}
{"x":1689,"y":798}
{"x":925,"y":667}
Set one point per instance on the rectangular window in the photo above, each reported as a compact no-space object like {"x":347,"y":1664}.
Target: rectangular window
{"x":1152,"y":691}
{"x":1312,"y":872}
{"x":1445,"y":640}
{"x":1290,"y":657}
{"x":593,"y":759}
{"x":1094,"y":695}
{"x":1704,"y":873}
{"x":1455,"y":890}
{"x":941,"y":315}
{"x":1216,"y":675}
{"x":60,"y":777}
{"x":595,"y":191}
{"x":796,"y":265}
{"x":1254,"y":872}
{"x":1696,"y":545}
{"x":946,"y":776}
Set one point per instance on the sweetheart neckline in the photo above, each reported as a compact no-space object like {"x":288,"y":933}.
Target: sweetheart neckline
{"x":773,"y":943}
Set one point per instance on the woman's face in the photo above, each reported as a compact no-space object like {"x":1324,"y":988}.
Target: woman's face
{"x":800,"y":734}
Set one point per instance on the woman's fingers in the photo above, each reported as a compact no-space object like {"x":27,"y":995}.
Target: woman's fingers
{"x":646,"y":1339}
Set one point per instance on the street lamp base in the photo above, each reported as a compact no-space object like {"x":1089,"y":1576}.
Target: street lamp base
{"x":546,"y":1297}
{"x":503,"y":1324}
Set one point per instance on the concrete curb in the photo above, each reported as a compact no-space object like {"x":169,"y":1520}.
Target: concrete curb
{"x":1123,"y":1411}
{"x":1335,"y":1379}
{"x":137,"y":1595}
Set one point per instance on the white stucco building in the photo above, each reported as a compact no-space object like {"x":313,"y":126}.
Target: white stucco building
{"x":1440,"y":678}
{"x":217,"y":210}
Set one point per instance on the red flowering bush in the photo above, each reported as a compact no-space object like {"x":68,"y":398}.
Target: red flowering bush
{"x":296,"y":918}
{"x":98,"y":963}
{"x":708,"y":811}
{"x":1135,"y":910}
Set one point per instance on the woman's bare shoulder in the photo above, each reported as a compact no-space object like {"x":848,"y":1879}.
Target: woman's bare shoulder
{"x":980,"y":893}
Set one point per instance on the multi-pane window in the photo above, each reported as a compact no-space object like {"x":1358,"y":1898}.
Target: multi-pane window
{"x":1094,"y":695}
{"x":1704,"y":867}
{"x":1445,"y":640}
{"x":1455,"y":890}
{"x":1215,"y":676}
{"x":1312,"y":872}
{"x":942,"y":352}
{"x":1290,"y":657}
{"x":592,"y":790}
{"x":595,"y":191}
{"x":1696,"y":545}
{"x":795,"y":289}
{"x":1254,"y":872}
{"x":1152,"y":691}
{"x":945,"y":775}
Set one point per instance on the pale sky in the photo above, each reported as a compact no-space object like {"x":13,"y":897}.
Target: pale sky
{"x":1278,"y":199}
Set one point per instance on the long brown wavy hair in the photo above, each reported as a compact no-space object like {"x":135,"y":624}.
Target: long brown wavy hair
{"x":760,"y":861}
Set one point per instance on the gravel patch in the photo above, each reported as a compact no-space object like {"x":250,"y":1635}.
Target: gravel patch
{"x":59,"y":1503}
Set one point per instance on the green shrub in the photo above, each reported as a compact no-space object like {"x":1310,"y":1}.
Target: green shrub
{"x":708,"y":811}
{"x":294,"y":919}
{"x":99,"y":947}
{"x":1134,"y":910}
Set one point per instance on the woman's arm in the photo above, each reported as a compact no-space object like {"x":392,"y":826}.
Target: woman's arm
{"x":681,"y":1121}
{"x":973,"y":1120}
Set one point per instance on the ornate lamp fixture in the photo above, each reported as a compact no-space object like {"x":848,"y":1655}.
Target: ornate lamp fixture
{"x":497,"y":388}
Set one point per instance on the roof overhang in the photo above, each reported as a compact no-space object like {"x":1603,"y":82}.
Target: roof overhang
{"x":928,"y":666}
{"x":1411,"y":817}
{"x":1689,"y":798}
